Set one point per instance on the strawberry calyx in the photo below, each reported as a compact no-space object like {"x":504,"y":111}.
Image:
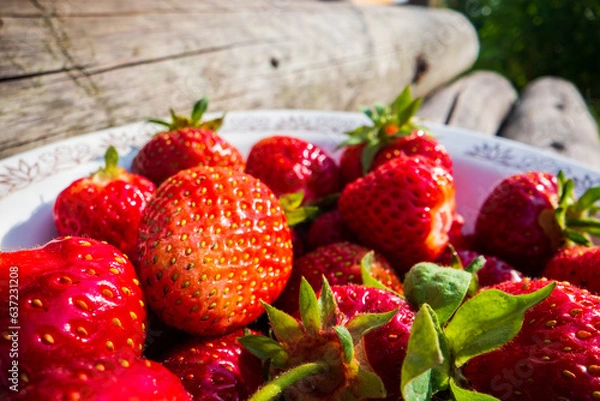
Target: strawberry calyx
{"x":294,"y":209}
{"x":450,"y":328}
{"x":111,"y":170}
{"x":194,"y":121}
{"x":316,"y":355}
{"x":577,"y":218}
{"x":388,"y":123}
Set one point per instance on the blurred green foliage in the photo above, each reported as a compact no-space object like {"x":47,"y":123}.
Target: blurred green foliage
{"x":526,"y":39}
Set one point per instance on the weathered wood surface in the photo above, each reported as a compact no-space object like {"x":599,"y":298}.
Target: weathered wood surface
{"x":479,"y":101}
{"x":552,"y":115}
{"x":71,"y":67}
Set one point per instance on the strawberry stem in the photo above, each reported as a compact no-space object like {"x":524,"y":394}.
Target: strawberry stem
{"x":276,"y":386}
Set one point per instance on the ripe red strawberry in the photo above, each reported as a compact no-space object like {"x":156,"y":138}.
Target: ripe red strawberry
{"x":579,"y":265}
{"x":120,"y":377}
{"x":495,"y":271}
{"x":415,"y":143}
{"x":77,"y":297}
{"x":213,"y":243}
{"x":556,"y":354}
{"x":188,"y":142}
{"x":106,"y":206}
{"x":403,"y":209}
{"x":290,"y":165}
{"x":343,"y":340}
{"x":328,"y":228}
{"x":393,"y":133}
{"x":340,"y":264}
{"x":527,"y":217}
{"x":385,"y":347}
{"x":216,"y":368}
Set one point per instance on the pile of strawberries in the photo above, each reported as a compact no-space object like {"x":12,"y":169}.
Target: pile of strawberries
{"x":200,"y":275}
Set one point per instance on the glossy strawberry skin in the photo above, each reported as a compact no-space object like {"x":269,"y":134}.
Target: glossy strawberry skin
{"x":289,"y":165}
{"x":403,"y":209}
{"x":216,"y":368}
{"x":385,"y":347}
{"x":119,"y":377}
{"x":328,"y":228}
{"x":418,"y":143}
{"x":108,"y":210}
{"x":213,"y":243}
{"x":340,"y":264}
{"x":516,"y":221}
{"x":555,"y":355}
{"x":495,"y":271}
{"x":77,"y":297}
{"x":579,"y":265}
{"x":169,"y":152}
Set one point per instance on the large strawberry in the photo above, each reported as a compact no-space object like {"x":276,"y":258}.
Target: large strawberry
{"x":213,"y":243}
{"x":216,"y":368}
{"x":527,"y":217}
{"x":556,"y":355}
{"x":188,"y":142}
{"x":120,"y":377}
{"x":393,"y":133}
{"x":340,"y":264}
{"x":403,"y":209}
{"x":335,"y":351}
{"x":76,"y":297}
{"x":579,"y":265}
{"x":289,"y":165}
{"x":106,"y":206}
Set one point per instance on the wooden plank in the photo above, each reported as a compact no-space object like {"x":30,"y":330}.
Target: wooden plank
{"x":124,"y":67}
{"x":552,"y":115}
{"x":28,"y":47}
{"x":479,"y":101}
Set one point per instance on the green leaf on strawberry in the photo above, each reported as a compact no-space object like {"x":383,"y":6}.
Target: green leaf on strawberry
{"x":423,"y":355}
{"x":489,"y":320}
{"x":460,"y":394}
{"x":481,"y":324}
{"x":442,"y":288}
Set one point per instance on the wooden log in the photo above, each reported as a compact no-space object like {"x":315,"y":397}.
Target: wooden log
{"x":552,"y":115}
{"x":71,"y":67}
{"x":479,"y":101}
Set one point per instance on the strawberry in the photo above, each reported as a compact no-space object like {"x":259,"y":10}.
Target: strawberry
{"x":579,"y":265}
{"x":385,"y":347}
{"x":335,"y":350}
{"x":216,"y":368}
{"x":328,"y":228}
{"x":290,"y":165}
{"x":527,"y":217}
{"x":188,"y":142}
{"x":393,"y":133}
{"x":213,"y":243}
{"x":77,"y":297}
{"x":120,"y":377}
{"x":340,"y":264}
{"x":106,"y":206}
{"x":494,"y":271}
{"x":556,"y":354}
{"x":403,"y":209}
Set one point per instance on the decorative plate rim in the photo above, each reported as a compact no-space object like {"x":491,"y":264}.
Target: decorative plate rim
{"x":19,"y":171}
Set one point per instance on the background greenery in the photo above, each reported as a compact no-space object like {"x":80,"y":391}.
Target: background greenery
{"x":526,"y":39}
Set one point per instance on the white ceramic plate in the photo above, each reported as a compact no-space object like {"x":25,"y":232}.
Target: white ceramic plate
{"x":29,"y":182}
